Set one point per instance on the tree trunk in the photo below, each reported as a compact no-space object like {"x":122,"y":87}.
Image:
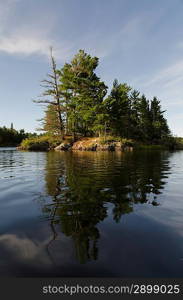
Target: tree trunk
{"x":57,"y":96}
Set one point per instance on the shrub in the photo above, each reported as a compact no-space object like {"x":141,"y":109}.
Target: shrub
{"x":40,"y":143}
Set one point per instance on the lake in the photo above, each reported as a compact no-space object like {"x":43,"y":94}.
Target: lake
{"x":108,"y":214}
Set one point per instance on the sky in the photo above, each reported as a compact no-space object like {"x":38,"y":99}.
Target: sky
{"x":137,"y":42}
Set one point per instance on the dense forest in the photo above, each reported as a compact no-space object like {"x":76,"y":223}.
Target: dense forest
{"x":77,"y":104}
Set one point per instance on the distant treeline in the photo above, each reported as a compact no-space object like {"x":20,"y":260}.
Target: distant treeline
{"x":12,"y":137}
{"x":77,"y":104}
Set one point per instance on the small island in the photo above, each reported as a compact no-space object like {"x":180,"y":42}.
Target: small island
{"x":91,"y":147}
{"x":81,"y":114}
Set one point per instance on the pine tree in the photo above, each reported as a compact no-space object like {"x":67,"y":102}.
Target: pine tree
{"x":145,"y":130}
{"x":51,"y":124}
{"x":118,"y":109}
{"x":77,"y":105}
{"x":159,"y":124}
{"x":135,"y":115}
{"x":84,"y":92}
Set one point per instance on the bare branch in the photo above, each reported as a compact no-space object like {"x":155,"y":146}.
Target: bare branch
{"x":45,"y":101}
{"x":47,"y":81}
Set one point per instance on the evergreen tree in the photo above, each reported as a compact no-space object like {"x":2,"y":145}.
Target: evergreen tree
{"x":84,"y":92}
{"x":144,"y":119}
{"x":51,"y":123}
{"x":118,"y":109}
{"x":11,"y":137}
{"x":77,"y":105}
{"x":135,"y":115}
{"x":159,"y":124}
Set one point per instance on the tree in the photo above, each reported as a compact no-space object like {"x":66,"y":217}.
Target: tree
{"x":159,"y":124}
{"x":135,"y":116}
{"x":77,"y":106}
{"x":145,"y":127}
{"x":51,"y":123}
{"x":11,"y":137}
{"x":55,"y":98}
{"x":84,"y":92}
{"x":118,"y":109}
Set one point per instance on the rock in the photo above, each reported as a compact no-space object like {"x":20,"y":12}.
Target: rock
{"x":111,"y":147}
{"x":92,"y":148}
{"x":91,"y":144}
{"x":85,"y":146}
{"x":63,"y":147}
{"x":106,"y":147}
{"x":118,"y":146}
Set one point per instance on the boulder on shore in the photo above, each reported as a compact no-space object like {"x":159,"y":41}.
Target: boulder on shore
{"x":63,"y":147}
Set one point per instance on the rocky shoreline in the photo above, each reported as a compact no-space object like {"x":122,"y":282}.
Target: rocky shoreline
{"x":94,"y":144}
{"x":108,"y":143}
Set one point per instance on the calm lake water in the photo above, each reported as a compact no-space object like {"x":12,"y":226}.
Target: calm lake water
{"x":91,"y":214}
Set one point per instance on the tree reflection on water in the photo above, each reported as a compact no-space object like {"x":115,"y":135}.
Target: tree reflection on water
{"x":82,"y":186}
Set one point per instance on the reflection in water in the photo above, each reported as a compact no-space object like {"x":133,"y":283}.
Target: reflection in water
{"x":84,"y":186}
{"x":91,"y":214}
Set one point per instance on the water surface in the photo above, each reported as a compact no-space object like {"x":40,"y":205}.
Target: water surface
{"x":91,"y":213}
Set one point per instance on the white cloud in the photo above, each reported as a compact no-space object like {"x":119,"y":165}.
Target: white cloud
{"x":35,"y":36}
{"x":31,"y":37}
{"x":18,"y":44}
{"x":21,"y":45}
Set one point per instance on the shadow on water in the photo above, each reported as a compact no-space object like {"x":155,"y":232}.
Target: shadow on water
{"x":86,"y":188}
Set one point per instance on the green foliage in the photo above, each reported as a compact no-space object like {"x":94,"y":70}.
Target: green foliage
{"x":83,"y":92}
{"x":50,"y":121}
{"x":110,"y":139}
{"x":117,"y":107}
{"x":85,"y":111}
{"x":40,"y":143}
{"x":134,"y":116}
{"x":77,"y":106}
{"x":175,"y":143}
{"x":11,"y":137}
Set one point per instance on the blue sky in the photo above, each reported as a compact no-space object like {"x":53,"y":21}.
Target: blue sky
{"x":138,"y":42}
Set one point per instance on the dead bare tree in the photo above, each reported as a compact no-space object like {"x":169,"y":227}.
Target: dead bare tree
{"x":51,"y":90}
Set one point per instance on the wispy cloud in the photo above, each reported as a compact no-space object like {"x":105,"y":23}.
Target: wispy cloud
{"x":131,"y":32}
{"x":33,"y":37}
{"x":166,"y":83}
{"x":36,"y":36}
{"x":168,"y":76}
